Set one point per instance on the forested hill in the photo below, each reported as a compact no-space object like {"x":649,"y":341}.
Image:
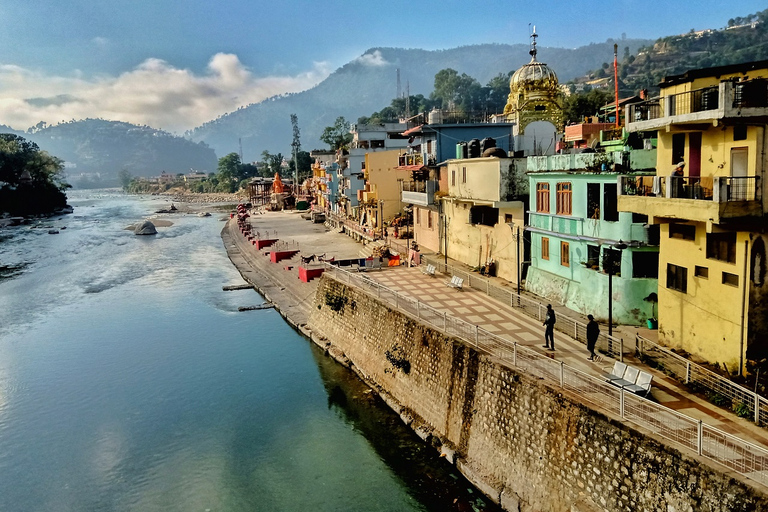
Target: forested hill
{"x":107,"y":147}
{"x":744,"y":39}
{"x":368,"y":84}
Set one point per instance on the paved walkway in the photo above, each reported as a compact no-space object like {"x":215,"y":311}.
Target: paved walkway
{"x":513,"y":324}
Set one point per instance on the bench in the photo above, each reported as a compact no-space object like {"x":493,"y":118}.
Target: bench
{"x":430,"y":270}
{"x":369,"y":264}
{"x":629,"y":378}
{"x":455,"y":282}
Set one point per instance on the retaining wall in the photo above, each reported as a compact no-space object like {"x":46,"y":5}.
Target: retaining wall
{"x":527,"y":446}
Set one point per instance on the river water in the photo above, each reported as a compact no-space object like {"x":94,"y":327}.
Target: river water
{"x":129,"y":382}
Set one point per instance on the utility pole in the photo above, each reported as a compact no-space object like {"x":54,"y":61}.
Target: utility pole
{"x":296,"y":147}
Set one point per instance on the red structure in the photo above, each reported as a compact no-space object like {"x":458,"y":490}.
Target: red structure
{"x":308,"y":274}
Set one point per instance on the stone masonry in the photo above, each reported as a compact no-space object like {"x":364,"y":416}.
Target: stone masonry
{"x":527,"y":446}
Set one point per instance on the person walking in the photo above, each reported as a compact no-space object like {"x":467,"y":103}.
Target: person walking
{"x":593,"y":331}
{"x":549,"y":332}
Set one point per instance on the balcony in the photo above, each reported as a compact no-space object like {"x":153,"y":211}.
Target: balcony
{"x":421,"y":193}
{"x":703,"y":199}
{"x":729,"y":99}
{"x":556,"y":223}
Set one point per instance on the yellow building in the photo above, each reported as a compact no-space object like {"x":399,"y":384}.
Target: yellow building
{"x":712,"y":297}
{"x":483,"y":221}
{"x":380,"y":199}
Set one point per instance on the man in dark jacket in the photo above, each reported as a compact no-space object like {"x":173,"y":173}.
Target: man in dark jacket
{"x":549,"y":332}
{"x":593,"y":331}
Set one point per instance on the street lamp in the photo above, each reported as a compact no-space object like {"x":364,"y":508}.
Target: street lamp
{"x":610,"y":265}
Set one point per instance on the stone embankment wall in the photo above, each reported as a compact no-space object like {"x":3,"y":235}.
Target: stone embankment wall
{"x":527,"y":446}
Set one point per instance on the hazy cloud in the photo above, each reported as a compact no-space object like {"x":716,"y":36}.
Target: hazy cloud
{"x":154,"y":93}
{"x":372,"y":59}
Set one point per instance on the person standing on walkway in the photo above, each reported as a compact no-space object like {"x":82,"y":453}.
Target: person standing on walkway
{"x":549,"y":332}
{"x":593,"y":331}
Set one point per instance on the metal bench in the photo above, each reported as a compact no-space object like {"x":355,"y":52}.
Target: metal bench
{"x":455,"y":282}
{"x":430,"y":270}
{"x":629,"y":378}
{"x":617,"y":372}
{"x":642,"y":385}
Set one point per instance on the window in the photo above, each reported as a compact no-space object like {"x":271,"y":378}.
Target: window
{"x":542,"y":197}
{"x":593,"y":201}
{"x":645,"y":264}
{"x":453,"y":178}
{"x":544,"y":248}
{"x":593,"y":256}
{"x":507,"y":218}
{"x":463,"y":174}
{"x":639,"y":218}
{"x":677,"y":278}
{"x":564,"y":204}
{"x":610,"y":203}
{"x":702,"y":272}
{"x":730,"y":279}
{"x":418,"y":216}
{"x":565,"y":254}
{"x":429,"y":220}
{"x":721,"y":246}
{"x":684,"y":231}
{"x":485,"y":215}
{"x":678,"y":147}
{"x":740,"y":132}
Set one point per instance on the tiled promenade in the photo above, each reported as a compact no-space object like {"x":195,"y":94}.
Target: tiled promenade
{"x":512,"y":324}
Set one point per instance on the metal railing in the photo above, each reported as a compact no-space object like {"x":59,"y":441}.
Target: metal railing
{"x":651,"y":352}
{"x":609,"y":345}
{"x":739,"y":188}
{"x":719,"y":389}
{"x":643,"y":186}
{"x":708,"y":442}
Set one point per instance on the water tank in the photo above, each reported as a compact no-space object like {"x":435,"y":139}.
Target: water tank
{"x":435,"y":116}
{"x":473,"y":148}
{"x":487,"y":143}
{"x":461,"y":150}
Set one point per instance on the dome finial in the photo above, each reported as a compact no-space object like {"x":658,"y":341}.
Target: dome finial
{"x":533,"y":52}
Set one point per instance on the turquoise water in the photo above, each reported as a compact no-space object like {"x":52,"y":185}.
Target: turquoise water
{"x":129,"y":381}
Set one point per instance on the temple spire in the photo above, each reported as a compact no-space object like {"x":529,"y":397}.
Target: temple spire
{"x":533,"y":52}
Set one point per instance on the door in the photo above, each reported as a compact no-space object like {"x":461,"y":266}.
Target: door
{"x":737,"y":189}
{"x":694,"y":154}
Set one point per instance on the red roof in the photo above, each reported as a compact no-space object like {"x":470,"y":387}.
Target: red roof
{"x":409,"y":167}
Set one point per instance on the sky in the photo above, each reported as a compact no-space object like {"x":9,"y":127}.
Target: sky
{"x":175,"y":64}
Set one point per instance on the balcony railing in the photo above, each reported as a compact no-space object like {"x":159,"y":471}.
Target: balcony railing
{"x":557,"y":223}
{"x":707,"y":188}
{"x":689,"y":102}
{"x":750,"y":94}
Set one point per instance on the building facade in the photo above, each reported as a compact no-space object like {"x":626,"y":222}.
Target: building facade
{"x":712,"y":215}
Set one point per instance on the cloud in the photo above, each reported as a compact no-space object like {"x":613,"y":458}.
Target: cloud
{"x":155,"y":93}
{"x":372,"y":59}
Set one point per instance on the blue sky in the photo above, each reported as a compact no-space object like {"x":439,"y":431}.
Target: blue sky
{"x":176,"y":63}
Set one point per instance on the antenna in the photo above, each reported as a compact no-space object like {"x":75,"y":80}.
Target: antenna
{"x":399,"y":92}
{"x":407,"y":99}
{"x":240,"y":143}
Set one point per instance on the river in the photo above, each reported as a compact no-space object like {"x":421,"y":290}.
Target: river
{"x":130,"y":382}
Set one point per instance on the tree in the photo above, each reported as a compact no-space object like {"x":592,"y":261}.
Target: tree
{"x":498,"y":92}
{"x":588,"y":103}
{"x":125,"y":178}
{"x":454,"y":91}
{"x":31,"y":180}
{"x":337,"y":136}
{"x":228,"y":172}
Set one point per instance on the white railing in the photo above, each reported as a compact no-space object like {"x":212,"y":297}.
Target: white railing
{"x":736,"y":454}
{"x":752,"y":405}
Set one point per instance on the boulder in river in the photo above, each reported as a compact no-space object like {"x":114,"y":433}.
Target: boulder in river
{"x":145,"y":228}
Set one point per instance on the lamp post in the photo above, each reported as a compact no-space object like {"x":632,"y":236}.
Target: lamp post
{"x":610,"y":265}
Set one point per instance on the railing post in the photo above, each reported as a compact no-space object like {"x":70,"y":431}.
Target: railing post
{"x":621,"y":350}
{"x":514,"y":354}
{"x":687,"y":372}
{"x":700,"y":437}
{"x":477,"y":335}
{"x":397,"y":306}
{"x":621,"y":403}
{"x":418,"y":310}
{"x":562,"y":374}
{"x":575,"y":331}
{"x":757,"y":409}
{"x":445,"y":322}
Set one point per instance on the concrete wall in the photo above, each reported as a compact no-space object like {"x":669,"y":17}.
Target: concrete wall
{"x":525,"y":445}
{"x":426,"y":235}
{"x":474,"y":244}
{"x":706,"y":320}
